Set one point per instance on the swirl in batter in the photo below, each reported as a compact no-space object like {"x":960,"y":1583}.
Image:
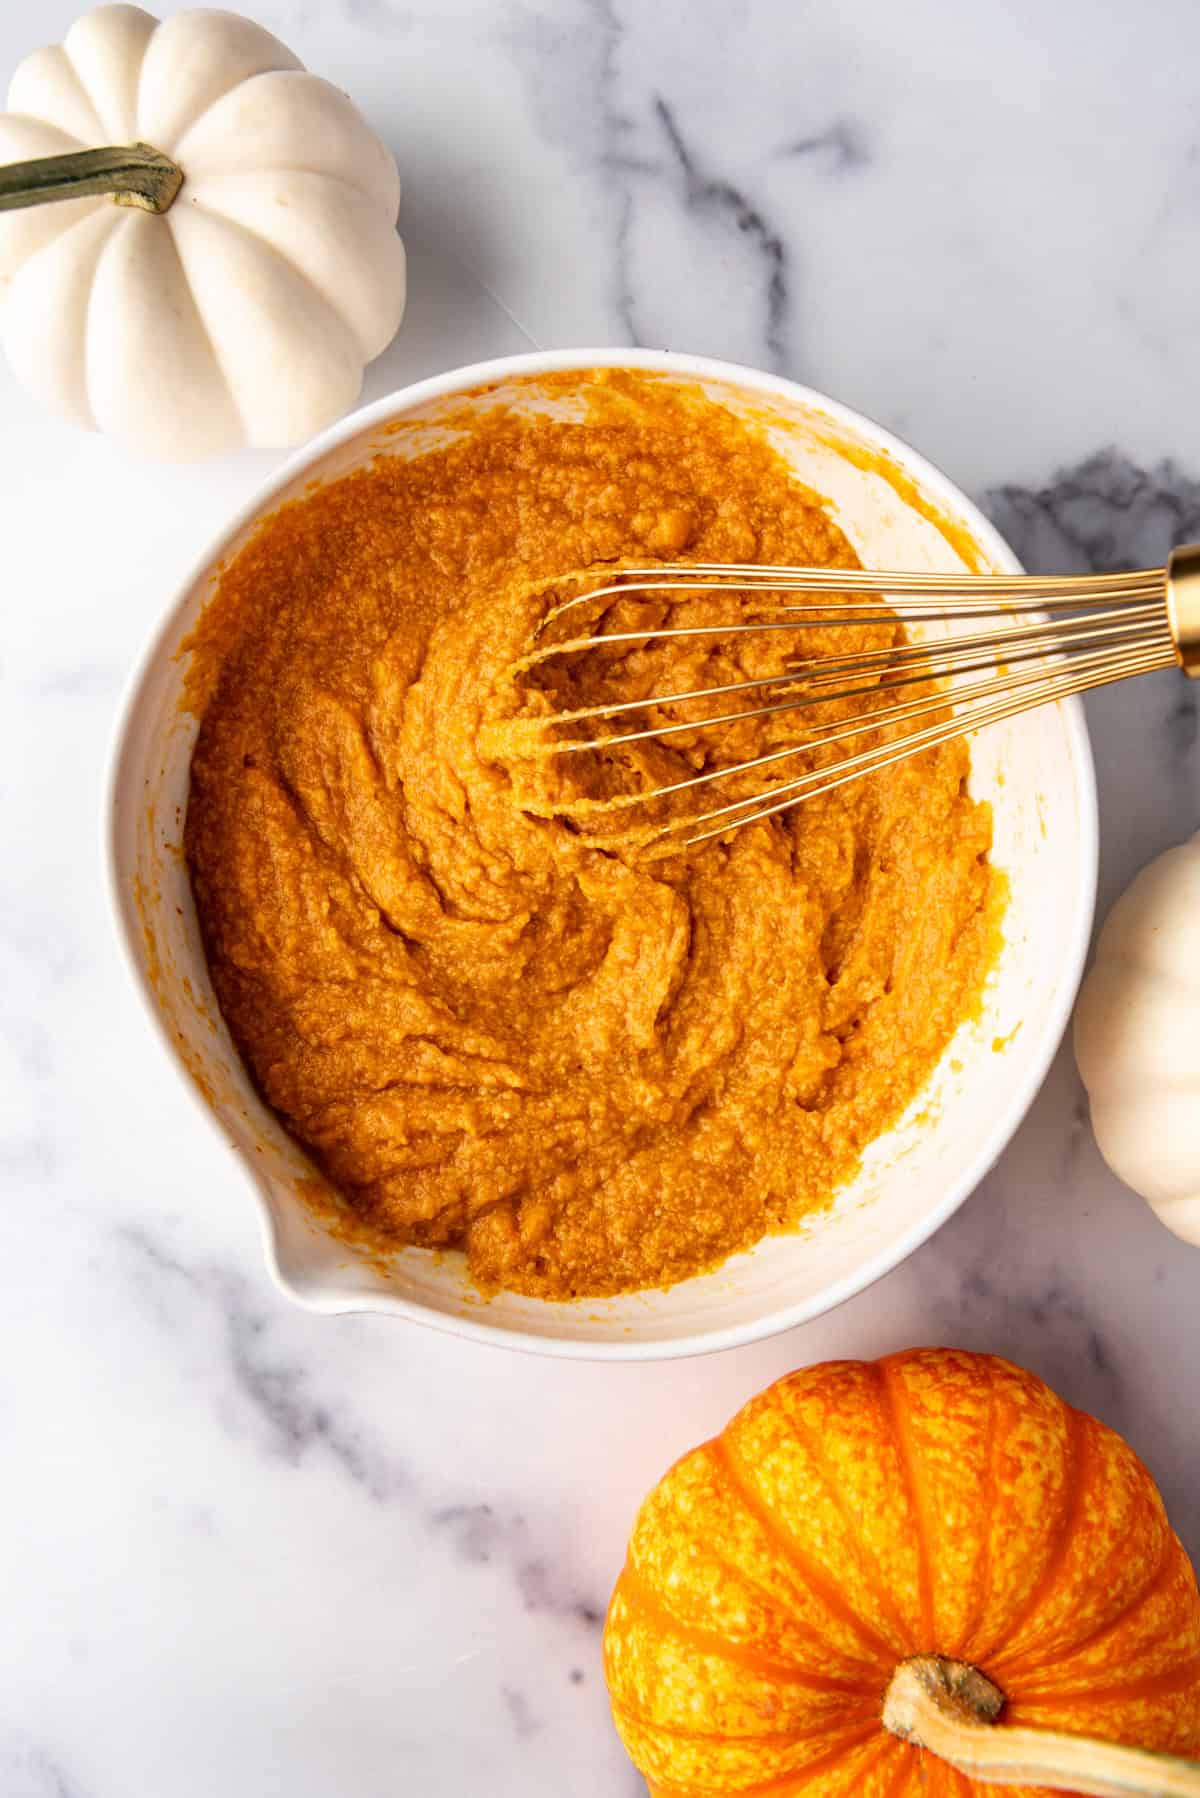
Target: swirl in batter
{"x":592,"y":1072}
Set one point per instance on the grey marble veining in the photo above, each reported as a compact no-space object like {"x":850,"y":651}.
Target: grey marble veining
{"x":29,"y":1771}
{"x":1102,"y":515}
{"x":253,"y":1552}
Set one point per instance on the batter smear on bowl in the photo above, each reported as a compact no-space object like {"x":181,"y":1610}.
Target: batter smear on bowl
{"x":592,"y":1071}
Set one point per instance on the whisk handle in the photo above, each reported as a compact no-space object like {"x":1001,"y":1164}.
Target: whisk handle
{"x":1183,"y":605}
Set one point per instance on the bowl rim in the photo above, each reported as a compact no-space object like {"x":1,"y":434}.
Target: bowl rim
{"x":932,"y":482}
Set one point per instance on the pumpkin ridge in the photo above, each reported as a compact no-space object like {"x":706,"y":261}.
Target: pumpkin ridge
{"x":903,"y":1781}
{"x":902,"y":1778}
{"x":112,"y":130}
{"x":289,"y":262}
{"x":1150,"y":1685}
{"x":869,"y":1669}
{"x":679,"y":1732}
{"x":84,"y":218}
{"x":988,"y":1501}
{"x":64,"y":57}
{"x":1074,"y":1489}
{"x":103,"y":129}
{"x":233,"y":81}
{"x":104,"y":239}
{"x":206,"y":333}
{"x":281,"y":168}
{"x":69,"y":140}
{"x":819,"y":1583}
{"x":334,"y":317}
{"x":639,"y":1594}
{"x":896,"y":1401}
{"x":863,"y":1554}
{"x":1157,"y":1578}
{"x":783,"y":1785}
{"x":347,"y":180}
{"x":187,"y":293}
{"x":1137,"y":962}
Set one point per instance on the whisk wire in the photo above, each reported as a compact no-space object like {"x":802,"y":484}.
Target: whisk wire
{"x":902,"y":666}
{"x":1054,"y":636}
{"x":809,"y":786}
{"x":869,"y":724}
{"x":985,"y":590}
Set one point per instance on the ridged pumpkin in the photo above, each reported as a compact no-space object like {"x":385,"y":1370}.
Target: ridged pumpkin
{"x":858,"y":1514}
{"x":1136,"y":1041}
{"x":251,"y":268}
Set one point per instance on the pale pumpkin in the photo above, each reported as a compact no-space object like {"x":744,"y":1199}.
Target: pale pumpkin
{"x":1137,"y":1038}
{"x":857,"y":1515}
{"x":243,"y":311}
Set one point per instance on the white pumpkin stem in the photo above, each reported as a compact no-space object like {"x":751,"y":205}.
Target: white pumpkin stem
{"x":132,"y":174}
{"x":951,"y":1708}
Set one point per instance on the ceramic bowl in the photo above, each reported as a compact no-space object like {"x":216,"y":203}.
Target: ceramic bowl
{"x":1036,"y":772}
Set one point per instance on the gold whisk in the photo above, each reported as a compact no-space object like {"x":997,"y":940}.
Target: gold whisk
{"x":1046,"y":637}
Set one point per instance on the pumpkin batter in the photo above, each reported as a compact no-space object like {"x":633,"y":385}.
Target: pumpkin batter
{"x":593,"y":1071}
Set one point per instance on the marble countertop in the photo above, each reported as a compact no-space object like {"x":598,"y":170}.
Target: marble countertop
{"x":251,"y":1552}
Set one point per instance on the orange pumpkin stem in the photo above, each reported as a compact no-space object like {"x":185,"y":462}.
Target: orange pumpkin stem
{"x":951,"y":1708}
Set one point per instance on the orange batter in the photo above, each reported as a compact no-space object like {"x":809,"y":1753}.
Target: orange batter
{"x":591,"y":1071}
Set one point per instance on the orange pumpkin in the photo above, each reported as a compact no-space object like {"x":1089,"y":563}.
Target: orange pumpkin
{"x":858,"y":1514}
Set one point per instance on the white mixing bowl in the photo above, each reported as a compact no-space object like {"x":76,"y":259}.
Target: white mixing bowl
{"x":1037,"y":772}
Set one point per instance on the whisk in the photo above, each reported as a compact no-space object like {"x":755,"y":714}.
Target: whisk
{"x":1015,"y":642}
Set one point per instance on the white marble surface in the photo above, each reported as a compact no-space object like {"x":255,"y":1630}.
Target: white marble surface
{"x":248,"y":1552}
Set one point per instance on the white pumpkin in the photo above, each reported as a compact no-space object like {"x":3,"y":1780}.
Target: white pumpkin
{"x":1137,"y":1038}
{"x":245,"y":312}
